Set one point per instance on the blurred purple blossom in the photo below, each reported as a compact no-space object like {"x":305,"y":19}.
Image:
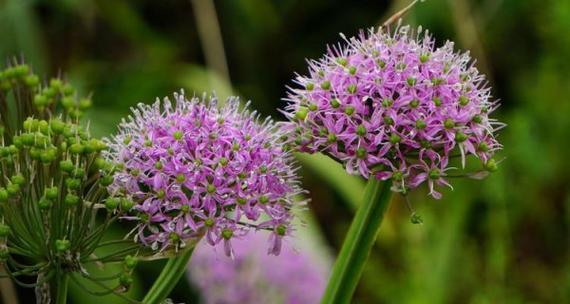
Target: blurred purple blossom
{"x":255,"y":277}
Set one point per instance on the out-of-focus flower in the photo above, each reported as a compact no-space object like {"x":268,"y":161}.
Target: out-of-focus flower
{"x":194,"y":169}
{"x":395,"y":106}
{"x":254,"y":277}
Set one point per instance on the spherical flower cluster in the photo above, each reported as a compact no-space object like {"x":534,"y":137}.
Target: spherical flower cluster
{"x":194,"y":169}
{"x":395,"y":106}
{"x":252,"y":277}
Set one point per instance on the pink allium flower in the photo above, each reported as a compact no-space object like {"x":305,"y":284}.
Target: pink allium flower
{"x":254,"y":277}
{"x":193,"y":169}
{"x":395,"y":106}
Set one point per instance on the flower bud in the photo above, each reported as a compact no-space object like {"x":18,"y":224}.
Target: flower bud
{"x":44,"y":203}
{"x":57,"y":126}
{"x":13,"y":189}
{"x":126,"y":280}
{"x":62,"y":245}
{"x":18,"y":179}
{"x":56,"y":83}
{"x":491,"y":165}
{"x":85,"y":104}
{"x":106,"y":180}
{"x":416,"y":219}
{"x":41,"y":101}
{"x":66,"y":166}
{"x":72,"y":183}
{"x":71,"y":199}
{"x":4,"y":253}
{"x":76,"y":148}
{"x":112,"y":203}
{"x":68,"y":102}
{"x":51,"y":193}
{"x":48,"y":156}
{"x":130,"y":262}
{"x":32,"y":81}
{"x":28,"y":139}
{"x":127,"y":204}
{"x":4,"y":230}
{"x":3,"y":195}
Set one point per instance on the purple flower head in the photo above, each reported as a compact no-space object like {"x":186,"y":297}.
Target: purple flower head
{"x":395,"y":106}
{"x":253,"y":277}
{"x":194,"y":169}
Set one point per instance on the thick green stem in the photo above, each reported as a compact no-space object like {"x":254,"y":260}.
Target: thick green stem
{"x":166,"y":281}
{"x":61,"y":282}
{"x":358,"y":242}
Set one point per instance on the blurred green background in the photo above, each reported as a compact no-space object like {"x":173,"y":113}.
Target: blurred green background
{"x":503,"y":240}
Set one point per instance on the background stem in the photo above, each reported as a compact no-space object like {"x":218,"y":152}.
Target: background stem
{"x":61,"y":281}
{"x":358,"y":242}
{"x":166,"y":281}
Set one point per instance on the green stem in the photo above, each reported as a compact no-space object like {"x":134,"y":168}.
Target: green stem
{"x":359,"y":240}
{"x":61,"y":281}
{"x":166,"y":281}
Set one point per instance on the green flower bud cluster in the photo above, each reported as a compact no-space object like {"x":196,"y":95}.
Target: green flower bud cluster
{"x":55,"y":181}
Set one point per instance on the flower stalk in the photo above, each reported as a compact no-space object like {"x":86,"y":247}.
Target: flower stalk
{"x":358,"y":242}
{"x":61,"y":283}
{"x":170,"y":275}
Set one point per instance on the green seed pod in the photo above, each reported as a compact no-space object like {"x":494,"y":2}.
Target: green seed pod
{"x":127,"y":204}
{"x":51,"y":193}
{"x":21,"y":70}
{"x":4,"y":151}
{"x":4,"y":254}
{"x":4,"y":230}
{"x":18,"y":179}
{"x":41,"y":100}
{"x":13,"y":189}
{"x":71,"y":199}
{"x":13,"y":149}
{"x":416,"y":219}
{"x":32,"y":81}
{"x":68,"y":102}
{"x":68,"y":90}
{"x":491,"y":165}
{"x":72,"y":183}
{"x":94,"y":145}
{"x":44,"y":203}
{"x":66,"y":166}
{"x":57,"y":126}
{"x":112,"y":203}
{"x":17,"y":140}
{"x":62,"y":245}
{"x":75,"y":114}
{"x":125,"y":280}
{"x":130,"y":262}
{"x":78,"y":173}
{"x":55,"y":83}
{"x":76,"y":148}
{"x":48,"y":156}
{"x":30,"y":124}
{"x":3,"y":195}
{"x":44,"y":127}
{"x":28,"y":139}
{"x":106,"y":180}
{"x":85,"y":104}
{"x":35,"y":153}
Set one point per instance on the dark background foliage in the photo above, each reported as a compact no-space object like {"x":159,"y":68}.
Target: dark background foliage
{"x":502,"y":240}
